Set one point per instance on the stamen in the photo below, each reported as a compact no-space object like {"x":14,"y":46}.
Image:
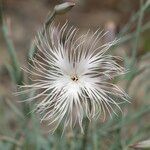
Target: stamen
{"x":74,"y":78}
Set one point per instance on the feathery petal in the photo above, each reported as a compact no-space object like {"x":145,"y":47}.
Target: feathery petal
{"x":72,"y":77}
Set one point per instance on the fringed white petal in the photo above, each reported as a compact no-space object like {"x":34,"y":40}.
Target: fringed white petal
{"x":71,"y":75}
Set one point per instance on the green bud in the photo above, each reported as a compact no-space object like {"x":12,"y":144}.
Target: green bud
{"x":63,"y":8}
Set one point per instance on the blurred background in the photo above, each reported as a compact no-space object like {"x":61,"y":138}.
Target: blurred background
{"x":128,"y":20}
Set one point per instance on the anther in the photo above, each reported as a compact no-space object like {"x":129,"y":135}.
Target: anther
{"x":74,"y":78}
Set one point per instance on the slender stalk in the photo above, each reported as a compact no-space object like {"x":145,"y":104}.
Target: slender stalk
{"x":85,"y":137}
{"x":15,"y":68}
{"x":131,"y":36}
{"x":138,"y":31}
{"x":134,"y":18}
{"x":58,"y":9}
{"x":48,"y":21}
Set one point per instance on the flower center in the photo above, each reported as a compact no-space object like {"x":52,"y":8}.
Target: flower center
{"x":74,"y":78}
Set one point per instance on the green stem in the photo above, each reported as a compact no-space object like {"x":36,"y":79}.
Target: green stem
{"x":58,"y":9}
{"x":133,"y":35}
{"x":134,"y":17}
{"x":15,"y":69}
{"x":85,"y":137}
{"x":138,"y":31}
{"x":10,"y":46}
{"x":48,"y":21}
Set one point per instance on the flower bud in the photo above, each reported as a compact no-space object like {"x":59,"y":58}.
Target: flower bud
{"x":63,"y":8}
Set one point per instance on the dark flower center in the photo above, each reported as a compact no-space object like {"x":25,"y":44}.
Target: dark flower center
{"x":74,"y":78}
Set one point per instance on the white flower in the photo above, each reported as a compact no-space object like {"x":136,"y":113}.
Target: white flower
{"x":73,"y":77}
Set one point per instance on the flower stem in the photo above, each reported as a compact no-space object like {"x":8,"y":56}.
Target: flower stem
{"x":85,"y":137}
{"x":58,"y":9}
